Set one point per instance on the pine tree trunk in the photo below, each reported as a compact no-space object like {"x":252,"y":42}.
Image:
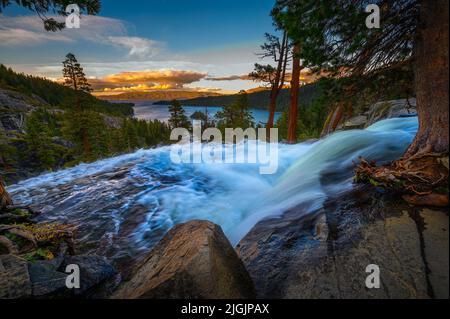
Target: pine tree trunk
{"x":295,"y":85}
{"x":272,"y":108}
{"x":431,"y":77}
{"x":279,"y":78}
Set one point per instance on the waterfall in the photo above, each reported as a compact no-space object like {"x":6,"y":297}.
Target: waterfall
{"x":123,"y":205}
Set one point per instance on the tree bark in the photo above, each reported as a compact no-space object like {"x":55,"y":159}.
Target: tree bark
{"x":295,"y":85}
{"x":431,"y":79}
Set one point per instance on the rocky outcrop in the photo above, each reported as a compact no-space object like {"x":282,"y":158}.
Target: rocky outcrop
{"x":20,"y":278}
{"x":390,"y":109}
{"x":374,"y":113}
{"x":325,"y":254}
{"x":194,"y":260}
{"x":13,"y":107}
{"x":18,"y":102}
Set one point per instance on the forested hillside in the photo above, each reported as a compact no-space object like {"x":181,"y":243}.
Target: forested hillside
{"x":46,"y":126}
{"x":55,"y":94}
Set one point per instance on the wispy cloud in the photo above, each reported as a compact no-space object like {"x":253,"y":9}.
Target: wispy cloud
{"x":138,"y":47}
{"x":28,"y":30}
{"x":229,"y":78}
{"x":22,"y":37}
{"x":127,"y":54}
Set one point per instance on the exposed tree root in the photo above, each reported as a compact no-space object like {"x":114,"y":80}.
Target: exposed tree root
{"x":420,"y":180}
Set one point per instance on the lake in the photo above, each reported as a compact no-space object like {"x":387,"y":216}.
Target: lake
{"x":147,"y":111}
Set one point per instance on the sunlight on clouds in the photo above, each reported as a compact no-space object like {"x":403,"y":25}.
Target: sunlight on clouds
{"x":175,"y":77}
{"x":146,"y":80}
{"x":140,"y":88}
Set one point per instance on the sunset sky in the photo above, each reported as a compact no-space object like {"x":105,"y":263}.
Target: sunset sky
{"x":145,"y":45}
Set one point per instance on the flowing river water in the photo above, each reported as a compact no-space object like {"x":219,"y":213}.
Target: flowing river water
{"x":123,"y":205}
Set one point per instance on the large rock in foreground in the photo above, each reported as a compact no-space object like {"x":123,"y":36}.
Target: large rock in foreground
{"x":193,"y":261}
{"x":325,"y":254}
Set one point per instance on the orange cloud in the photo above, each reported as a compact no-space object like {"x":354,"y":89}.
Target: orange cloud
{"x":146,"y":80}
{"x":140,"y":87}
{"x":173,"y":77}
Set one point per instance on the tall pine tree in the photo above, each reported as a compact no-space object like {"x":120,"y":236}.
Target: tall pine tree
{"x":178,"y":116}
{"x":75,"y":78}
{"x":335,"y":39}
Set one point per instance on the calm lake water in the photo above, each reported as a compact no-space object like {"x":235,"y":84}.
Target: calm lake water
{"x":147,"y":111}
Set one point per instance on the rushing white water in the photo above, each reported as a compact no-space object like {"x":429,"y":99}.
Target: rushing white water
{"x":123,"y":205}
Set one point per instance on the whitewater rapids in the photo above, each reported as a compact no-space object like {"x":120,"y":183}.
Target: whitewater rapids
{"x":123,"y":205}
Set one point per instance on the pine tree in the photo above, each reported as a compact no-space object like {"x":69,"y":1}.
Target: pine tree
{"x":235,"y":115}
{"x":295,"y":85}
{"x":200,"y":116}
{"x":278,"y":51}
{"x":334,"y":39}
{"x":75,"y":78}
{"x":178,"y":116}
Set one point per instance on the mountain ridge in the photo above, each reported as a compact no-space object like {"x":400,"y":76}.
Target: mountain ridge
{"x":257,"y":100}
{"x":157,"y":95}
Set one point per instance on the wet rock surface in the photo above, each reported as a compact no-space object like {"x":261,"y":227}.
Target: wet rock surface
{"x":14,"y":278}
{"x":325,"y":255}
{"x":94,"y":270}
{"x":34,"y":257}
{"x":194,"y":260}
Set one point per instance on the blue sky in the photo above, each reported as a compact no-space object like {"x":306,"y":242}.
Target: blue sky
{"x":196,"y":40}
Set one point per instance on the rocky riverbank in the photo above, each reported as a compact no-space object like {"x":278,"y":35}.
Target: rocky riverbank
{"x":319,"y":255}
{"x":299,"y":254}
{"x":34,"y":259}
{"x":325,"y":255}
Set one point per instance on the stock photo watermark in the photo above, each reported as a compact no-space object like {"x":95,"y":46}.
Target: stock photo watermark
{"x":373,"y":279}
{"x":73,"y":277}
{"x":73,"y":16}
{"x":373,"y":19}
{"x":249,"y":146}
